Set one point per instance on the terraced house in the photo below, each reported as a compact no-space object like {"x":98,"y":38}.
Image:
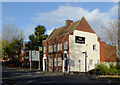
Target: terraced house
{"x":74,"y":47}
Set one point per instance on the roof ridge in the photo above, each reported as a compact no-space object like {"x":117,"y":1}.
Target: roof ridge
{"x":51,"y":33}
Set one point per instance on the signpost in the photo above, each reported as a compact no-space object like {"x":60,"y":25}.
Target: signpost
{"x":34,"y":56}
{"x":79,"y":39}
{"x":40,"y":48}
{"x":79,"y":65}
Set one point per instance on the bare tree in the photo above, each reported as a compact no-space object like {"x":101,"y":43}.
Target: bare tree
{"x":110,"y":33}
{"x":12,"y":39}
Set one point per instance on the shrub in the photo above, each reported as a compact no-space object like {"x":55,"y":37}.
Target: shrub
{"x":103,"y":69}
{"x":113,"y":71}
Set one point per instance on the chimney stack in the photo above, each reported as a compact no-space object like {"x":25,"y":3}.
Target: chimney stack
{"x":68,"y":22}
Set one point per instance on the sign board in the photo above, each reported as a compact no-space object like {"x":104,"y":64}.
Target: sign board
{"x":40,"y":48}
{"x":79,"y":39}
{"x":79,"y":60}
{"x":34,"y":55}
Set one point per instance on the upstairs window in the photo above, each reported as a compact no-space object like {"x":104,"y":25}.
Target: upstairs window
{"x":44,"y":48}
{"x":65,"y":45}
{"x":59,"y":46}
{"x":50,"y":48}
{"x":55,"y":47}
{"x":94,"y":47}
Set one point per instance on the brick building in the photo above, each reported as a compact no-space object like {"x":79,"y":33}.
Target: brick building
{"x":74,"y":47}
{"x":24,"y":57}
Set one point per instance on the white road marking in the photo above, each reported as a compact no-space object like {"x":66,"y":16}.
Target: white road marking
{"x":48,"y":82}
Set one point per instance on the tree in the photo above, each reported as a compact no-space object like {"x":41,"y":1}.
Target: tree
{"x":110,"y":32}
{"x":12,"y":40}
{"x":37,"y":38}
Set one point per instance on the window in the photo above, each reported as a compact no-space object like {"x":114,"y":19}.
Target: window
{"x":50,"y":62}
{"x":23,"y":52}
{"x":91,"y":62}
{"x":94,"y":47}
{"x":55,"y":62}
{"x":97,"y":61}
{"x":44,"y":48}
{"x":59,"y":46}
{"x":50,"y":48}
{"x":23,"y":58}
{"x":59,"y":62}
{"x":65,"y":45}
{"x":55,"y":47}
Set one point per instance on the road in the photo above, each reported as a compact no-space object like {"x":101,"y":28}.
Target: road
{"x":15,"y":76}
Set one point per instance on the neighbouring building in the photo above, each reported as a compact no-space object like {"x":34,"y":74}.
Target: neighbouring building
{"x":24,"y":57}
{"x":74,"y":47}
{"x":30,"y":58}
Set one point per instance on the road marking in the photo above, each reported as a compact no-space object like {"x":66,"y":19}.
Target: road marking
{"x":48,"y":82}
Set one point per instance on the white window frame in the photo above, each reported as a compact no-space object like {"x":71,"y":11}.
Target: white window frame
{"x":50,"y":62}
{"x":55,"y":61}
{"x":59,"y":62}
{"x":44,"y":49}
{"x":59,"y":46}
{"x":55,"y":47}
{"x":65,"y":45}
{"x":95,"y":47}
{"x":51,"y":48}
{"x":91,"y":62}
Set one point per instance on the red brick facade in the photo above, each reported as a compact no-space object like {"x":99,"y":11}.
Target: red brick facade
{"x":107,"y":53}
{"x":56,"y":54}
{"x":24,"y":55}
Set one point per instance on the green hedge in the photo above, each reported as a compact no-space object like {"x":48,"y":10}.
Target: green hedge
{"x":103,"y":69}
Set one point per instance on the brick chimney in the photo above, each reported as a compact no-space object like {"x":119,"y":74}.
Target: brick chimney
{"x":68,"y":22}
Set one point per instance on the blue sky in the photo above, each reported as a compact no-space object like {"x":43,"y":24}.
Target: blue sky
{"x":27,"y":15}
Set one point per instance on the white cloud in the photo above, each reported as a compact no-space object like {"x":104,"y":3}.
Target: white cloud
{"x":56,"y":18}
{"x":114,"y":10}
{"x":49,"y":31}
{"x":28,"y":30}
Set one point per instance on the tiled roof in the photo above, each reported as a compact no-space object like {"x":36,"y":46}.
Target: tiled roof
{"x":81,"y":24}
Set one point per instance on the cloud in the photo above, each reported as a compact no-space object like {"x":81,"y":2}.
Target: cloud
{"x":114,"y":10}
{"x":49,"y":31}
{"x":56,"y":18}
{"x":9,"y":19}
{"x":28,"y":30}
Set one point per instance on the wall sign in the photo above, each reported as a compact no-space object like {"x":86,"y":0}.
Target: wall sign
{"x":79,"y":39}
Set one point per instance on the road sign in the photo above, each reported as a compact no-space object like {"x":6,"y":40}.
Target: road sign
{"x":40,"y":48}
{"x":79,"y":60}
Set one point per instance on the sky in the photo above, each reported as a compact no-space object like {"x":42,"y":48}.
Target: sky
{"x":27,"y":15}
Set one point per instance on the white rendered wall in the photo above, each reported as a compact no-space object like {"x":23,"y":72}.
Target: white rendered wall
{"x":76,"y":49}
{"x":44,"y":62}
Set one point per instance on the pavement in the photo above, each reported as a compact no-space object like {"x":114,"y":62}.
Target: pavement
{"x":22,"y":76}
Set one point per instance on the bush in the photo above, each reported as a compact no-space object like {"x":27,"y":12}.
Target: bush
{"x":103,"y":69}
{"x":113,"y":71}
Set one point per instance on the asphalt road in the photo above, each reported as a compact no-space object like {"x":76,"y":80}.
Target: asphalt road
{"x":15,"y":76}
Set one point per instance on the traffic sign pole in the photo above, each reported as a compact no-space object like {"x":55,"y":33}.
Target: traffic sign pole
{"x":79,"y":65}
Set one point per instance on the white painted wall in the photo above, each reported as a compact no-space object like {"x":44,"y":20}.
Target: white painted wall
{"x":76,"y":49}
{"x":44,"y":62}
